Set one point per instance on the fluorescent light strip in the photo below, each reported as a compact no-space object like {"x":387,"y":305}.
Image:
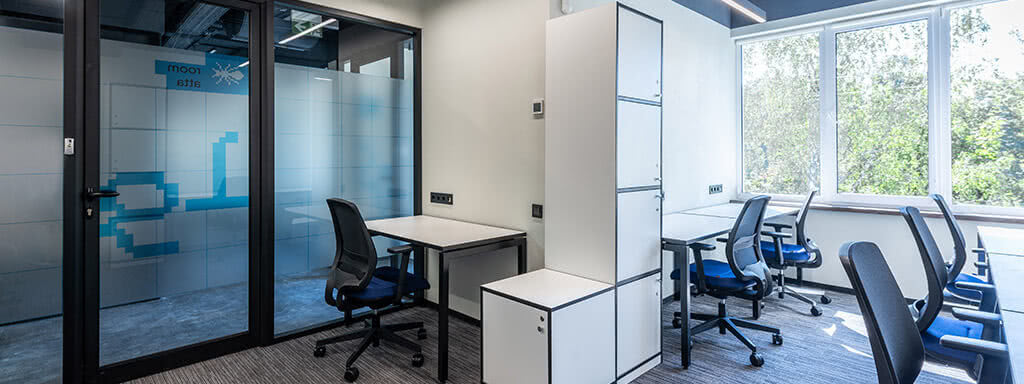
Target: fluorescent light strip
{"x":297,"y":35}
{"x":744,"y":11}
{"x":308,"y":31}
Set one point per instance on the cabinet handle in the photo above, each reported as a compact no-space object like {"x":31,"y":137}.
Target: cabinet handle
{"x":657,"y":179}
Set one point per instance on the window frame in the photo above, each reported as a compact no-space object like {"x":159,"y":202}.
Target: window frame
{"x":939,"y":114}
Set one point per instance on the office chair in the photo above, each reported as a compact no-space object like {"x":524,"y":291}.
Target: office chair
{"x":896,"y":344}
{"x":745,"y":275}
{"x":977,"y":325}
{"x":954,"y":270}
{"x":355,"y":281}
{"x":803,"y":254}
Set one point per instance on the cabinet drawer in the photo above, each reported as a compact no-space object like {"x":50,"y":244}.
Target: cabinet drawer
{"x":638,"y":145}
{"x":638,"y":238}
{"x":639,"y":322}
{"x":513,"y":332}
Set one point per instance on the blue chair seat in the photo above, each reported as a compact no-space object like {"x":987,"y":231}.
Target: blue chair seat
{"x":385,"y":283}
{"x":790,"y":252}
{"x":718,"y":276}
{"x":953,"y":292}
{"x":950,"y":326}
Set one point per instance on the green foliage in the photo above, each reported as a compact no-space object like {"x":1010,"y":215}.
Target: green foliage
{"x":882,"y":107}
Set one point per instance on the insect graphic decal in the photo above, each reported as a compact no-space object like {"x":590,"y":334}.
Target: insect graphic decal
{"x":228,"y":74}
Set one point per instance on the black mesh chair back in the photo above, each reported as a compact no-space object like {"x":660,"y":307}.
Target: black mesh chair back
{"x":934,"y":266}
{"x":801,"y":220}
{"x":355,"y":257}
{"x":895,"y":341}
{"x":743,"y":249}
{"x":959,"y":241}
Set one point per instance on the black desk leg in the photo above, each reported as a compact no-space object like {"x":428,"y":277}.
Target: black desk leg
{"x":419,"y":255}
{"x":678,"y":284}
{"x":679,"y":258}
{"x":442,"y":320}
{"x":521,"y":249}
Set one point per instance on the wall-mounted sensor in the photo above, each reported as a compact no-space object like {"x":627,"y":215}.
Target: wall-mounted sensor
{"x":538,"y":107}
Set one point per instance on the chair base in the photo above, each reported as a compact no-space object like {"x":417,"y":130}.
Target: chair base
{"x":782,"y":290}
{"x":724,"y":323}
{"x":373,"y":334}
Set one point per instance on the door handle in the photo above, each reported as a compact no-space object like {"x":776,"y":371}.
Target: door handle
{"x":92,"y":194}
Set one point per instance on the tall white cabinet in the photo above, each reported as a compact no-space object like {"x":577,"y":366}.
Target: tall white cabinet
{"x":593,"y":315}
{"x":603,"y":189}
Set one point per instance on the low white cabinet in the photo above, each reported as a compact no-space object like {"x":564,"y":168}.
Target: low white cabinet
{"x":548,"y":327}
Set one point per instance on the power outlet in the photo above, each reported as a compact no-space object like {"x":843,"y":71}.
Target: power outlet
{"x":442,"y":198}
{"x":713,"y":189}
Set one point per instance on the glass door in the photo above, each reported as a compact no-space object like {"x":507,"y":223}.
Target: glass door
{"x":170,"y":208}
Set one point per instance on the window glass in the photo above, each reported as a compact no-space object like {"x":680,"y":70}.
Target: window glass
{"x":987,"y":104}
{"x":882,"y":101}
{"x":780,"y":115}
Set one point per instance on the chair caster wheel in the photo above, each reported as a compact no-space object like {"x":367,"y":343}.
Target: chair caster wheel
{"x":815,"y":311}
{"x":677,"y":323}
{"x":756,"y":359}
{"x":417,"y":360}
{"x":421,"y":334}
{"x":825,"y":299}
{"x":777,"y":339}
{"x":320,"y":351}
{"x":351,"y":374}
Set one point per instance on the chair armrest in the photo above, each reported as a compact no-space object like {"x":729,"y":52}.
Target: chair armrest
{"x":985,"y":289}
{"x":778,"y":226}
{"x":777,"y":235}
{"x":399,"y":249}
{"x":404,"y":250}
{"x":986,"y":318}
{"x":722,"y":239}
{"x":978,"y":250}
{"x":702,"y":246}
{"x":983,"y":347}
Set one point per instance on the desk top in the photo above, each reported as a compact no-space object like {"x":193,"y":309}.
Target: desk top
{"x":1007,"y":272}
{"x":699,"y":224}
{"x":547,"y":288}
{"x":1013,"y":326}
{"x":1006,"y":241}
{"x":439,"y":233}
{"x":732,"y":211}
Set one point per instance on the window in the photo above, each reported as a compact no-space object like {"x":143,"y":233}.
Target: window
{"x":987,"y":104}
{"x":882,"y":104}
{"x":888,"y":108}
{"x":780,"y":115}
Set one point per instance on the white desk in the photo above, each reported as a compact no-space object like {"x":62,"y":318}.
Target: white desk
{"x":1002,"y":241}
{"x":1004,"y":248}
{"x":732,"y":211}
{"x":452,"y":240}
{"x":680,"y":229}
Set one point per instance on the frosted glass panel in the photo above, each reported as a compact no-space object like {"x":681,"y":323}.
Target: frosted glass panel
{"x":31,"y":191}
{"x":174,"y":255}
{"x":337,"y":134}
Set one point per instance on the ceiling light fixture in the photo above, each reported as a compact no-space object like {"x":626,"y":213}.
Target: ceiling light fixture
{"x":747,"y":8}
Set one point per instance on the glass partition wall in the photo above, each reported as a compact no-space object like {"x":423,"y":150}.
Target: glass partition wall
{"x":31,"y":176}
{"x":343,"y":119}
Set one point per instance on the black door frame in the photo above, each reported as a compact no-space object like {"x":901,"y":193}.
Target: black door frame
{"x":81,"y":234}
{"x":81,"y":280}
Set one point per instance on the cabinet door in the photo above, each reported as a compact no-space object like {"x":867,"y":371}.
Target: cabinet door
{"x":638,"y":145}
{"x":515,"y":341}
{"x":638,"y":242}
{"x":639,"y":322}
{"x":583,"y":341}
{"x":639,"y":56}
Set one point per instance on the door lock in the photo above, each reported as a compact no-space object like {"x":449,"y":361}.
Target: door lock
{"x":88,"y":212}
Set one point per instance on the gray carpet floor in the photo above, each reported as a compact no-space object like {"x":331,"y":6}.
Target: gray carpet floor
{"x":830,"y":349}
{"x":30,"y":352}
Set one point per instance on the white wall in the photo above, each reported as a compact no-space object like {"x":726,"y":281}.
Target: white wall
{"x":483,"y":62}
